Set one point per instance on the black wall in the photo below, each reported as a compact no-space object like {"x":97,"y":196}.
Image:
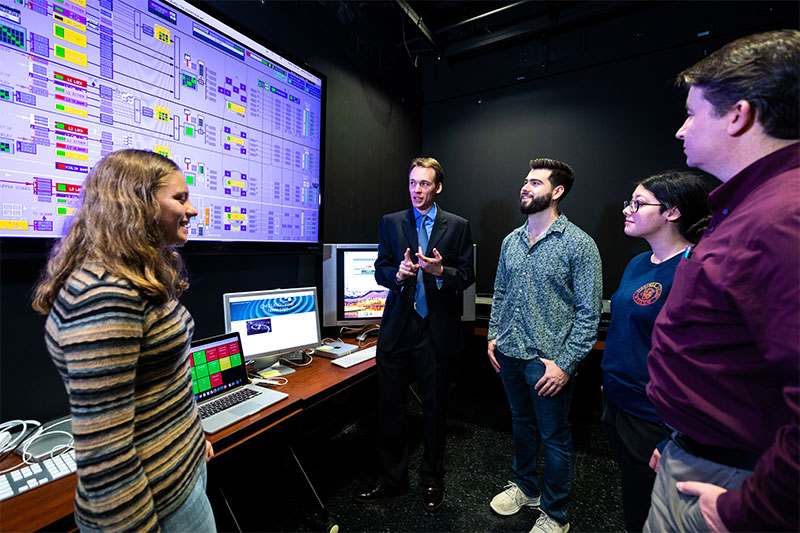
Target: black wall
{"x":373,"y":131}
{"x":600,"y":96}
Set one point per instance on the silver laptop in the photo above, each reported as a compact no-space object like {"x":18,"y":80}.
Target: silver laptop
{"x":220,"y":385}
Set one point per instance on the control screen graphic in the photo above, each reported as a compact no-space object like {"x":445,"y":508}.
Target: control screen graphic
{"x":82,"y":78}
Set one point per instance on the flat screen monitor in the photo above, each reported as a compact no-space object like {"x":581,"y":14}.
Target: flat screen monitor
{"x":82,"y":78}
{"x":350,"y":294}
{"x":273,"y":323}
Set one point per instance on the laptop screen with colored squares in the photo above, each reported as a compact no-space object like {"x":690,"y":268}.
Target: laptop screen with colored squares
{"x":220,"y":385}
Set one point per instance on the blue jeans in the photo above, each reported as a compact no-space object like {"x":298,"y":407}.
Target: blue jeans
{"x":195,"y":513}
{"x":539,"y":419}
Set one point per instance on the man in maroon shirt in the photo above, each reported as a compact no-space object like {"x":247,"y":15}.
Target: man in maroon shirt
{"x":725,"y":360}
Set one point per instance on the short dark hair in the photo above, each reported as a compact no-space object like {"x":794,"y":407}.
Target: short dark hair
{"x":762,"y":69}
{"x":688,"y":192}
{"x":562,"y":174}
{"x":429,"y":162}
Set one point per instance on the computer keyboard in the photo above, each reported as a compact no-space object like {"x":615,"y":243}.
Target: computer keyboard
{"x":214,"y":407}
{"x":36,"y":474}
{"x":356,"y":357}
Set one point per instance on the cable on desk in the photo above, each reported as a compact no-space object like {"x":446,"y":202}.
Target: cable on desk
{"x":278,"y":381}
{"x":16,"y":441}
{"x":344,"y":329}
{"x":306,"y":352}
{"x":43,"y":432}
{"x":364,"y":344}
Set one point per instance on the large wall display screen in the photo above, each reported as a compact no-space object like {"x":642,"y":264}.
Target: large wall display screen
{"x":82,"y":78}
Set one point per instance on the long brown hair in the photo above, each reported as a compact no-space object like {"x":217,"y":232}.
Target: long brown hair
{"x":118,"y":226}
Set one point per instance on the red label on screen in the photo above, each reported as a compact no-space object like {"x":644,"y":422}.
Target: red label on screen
{"x":69,"y":79}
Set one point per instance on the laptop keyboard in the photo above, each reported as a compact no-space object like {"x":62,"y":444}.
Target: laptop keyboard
{"x":220,"y":404}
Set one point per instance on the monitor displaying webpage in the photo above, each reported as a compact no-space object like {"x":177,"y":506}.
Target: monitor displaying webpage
{"x":269,"y":323}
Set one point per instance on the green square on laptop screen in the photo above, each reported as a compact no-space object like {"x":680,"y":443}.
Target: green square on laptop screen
{"x":199,"y":357}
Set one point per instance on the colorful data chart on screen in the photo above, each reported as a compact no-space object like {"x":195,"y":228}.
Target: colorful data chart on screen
{"x":80,"y":79}
{"x":208,"y":367}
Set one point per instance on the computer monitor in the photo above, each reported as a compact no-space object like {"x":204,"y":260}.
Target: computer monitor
{"x":273,"y":323}
{"x":82,"y":78}
{"x":350,"y":294}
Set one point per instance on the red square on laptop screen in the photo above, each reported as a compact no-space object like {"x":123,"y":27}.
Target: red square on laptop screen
{"x":211,"y":354}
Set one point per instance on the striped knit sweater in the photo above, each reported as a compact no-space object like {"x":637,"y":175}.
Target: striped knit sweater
{"x":124,"y":362}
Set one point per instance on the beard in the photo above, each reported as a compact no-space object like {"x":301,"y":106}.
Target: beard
{"x":538,"y":203}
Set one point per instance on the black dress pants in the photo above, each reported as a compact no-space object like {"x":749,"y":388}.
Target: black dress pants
{"x":633,"y":440}
{"x":414,"y":357}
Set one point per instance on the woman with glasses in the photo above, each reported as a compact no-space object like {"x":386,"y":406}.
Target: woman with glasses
{"x":669,"y":211}
{"x":119,"y":338}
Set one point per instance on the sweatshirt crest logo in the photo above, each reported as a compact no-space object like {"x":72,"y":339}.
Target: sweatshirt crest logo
{"x":647,"y":294}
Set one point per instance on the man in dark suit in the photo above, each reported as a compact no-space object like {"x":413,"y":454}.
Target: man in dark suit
{"x":420,"y":330}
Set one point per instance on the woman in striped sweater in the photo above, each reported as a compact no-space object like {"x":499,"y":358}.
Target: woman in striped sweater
{"x":119,"y":338}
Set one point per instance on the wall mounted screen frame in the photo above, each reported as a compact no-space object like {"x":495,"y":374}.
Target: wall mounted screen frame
{"x":244,"y":122}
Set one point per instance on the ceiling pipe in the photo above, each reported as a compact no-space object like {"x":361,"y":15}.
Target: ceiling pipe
{"x":417,"y":20}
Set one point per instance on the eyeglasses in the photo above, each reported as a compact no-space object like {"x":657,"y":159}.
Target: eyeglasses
{"x":634,"y":205}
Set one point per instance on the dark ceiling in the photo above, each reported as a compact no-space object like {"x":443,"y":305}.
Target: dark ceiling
{"x":450,"y":29}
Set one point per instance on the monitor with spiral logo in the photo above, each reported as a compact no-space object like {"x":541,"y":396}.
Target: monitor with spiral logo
{"x":273,"y":323}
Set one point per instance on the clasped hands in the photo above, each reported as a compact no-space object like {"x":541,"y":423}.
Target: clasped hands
{"x":431,"y":265}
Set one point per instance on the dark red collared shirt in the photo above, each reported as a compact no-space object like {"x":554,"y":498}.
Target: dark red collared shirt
{"x":725,"y":360}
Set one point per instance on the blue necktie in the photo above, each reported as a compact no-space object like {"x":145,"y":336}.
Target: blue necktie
{"x":419,"y":297}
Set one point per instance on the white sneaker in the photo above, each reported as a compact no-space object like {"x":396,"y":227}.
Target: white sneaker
{"x":545,"y":524}
{"x":511,"y":500}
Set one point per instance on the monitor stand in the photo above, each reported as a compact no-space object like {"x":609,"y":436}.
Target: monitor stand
{"x":277,"y":369}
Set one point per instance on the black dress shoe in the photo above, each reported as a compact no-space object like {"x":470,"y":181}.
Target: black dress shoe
{"x":432,"y":494}
{"x":376,"y":491}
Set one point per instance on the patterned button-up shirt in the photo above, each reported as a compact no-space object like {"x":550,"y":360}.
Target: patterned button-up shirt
{"x":547,"y":296}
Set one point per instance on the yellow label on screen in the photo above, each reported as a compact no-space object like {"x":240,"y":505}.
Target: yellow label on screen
{"x":71,"y":55}
{"x":162,"y":113}
{"x":14,"y":224}
{"x":162,"y":34}
{"x":72,"y":110}
{"x":239,"y":110}
{"x":69,"y":22}
{"x":69,"y":35}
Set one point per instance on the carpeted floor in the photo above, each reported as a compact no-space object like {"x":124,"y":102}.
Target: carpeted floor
{"x":337,"y":451}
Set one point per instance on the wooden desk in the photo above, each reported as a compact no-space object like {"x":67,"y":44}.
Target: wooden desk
{"x":308,"y":386}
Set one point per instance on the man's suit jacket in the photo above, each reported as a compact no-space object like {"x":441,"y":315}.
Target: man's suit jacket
{"x":452,"y":238}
